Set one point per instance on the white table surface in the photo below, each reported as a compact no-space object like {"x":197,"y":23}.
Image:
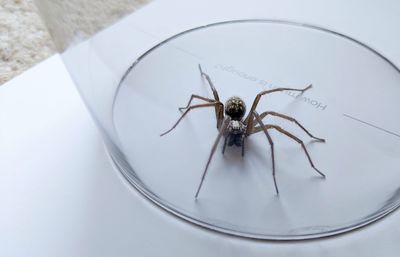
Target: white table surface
{"x":61,"y":196}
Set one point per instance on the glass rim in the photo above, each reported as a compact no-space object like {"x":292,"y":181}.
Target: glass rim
{"x":170,"y":208}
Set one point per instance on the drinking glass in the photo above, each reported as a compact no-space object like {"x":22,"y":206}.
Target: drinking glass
{"x":133,"y":81}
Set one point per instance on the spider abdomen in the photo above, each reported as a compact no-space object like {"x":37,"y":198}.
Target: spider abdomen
{"x":236,"y":130}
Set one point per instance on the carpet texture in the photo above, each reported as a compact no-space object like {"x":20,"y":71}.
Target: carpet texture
{"x":25,"y":41}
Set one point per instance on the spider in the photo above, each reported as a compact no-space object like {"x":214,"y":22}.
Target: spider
{"x":235,"y":128}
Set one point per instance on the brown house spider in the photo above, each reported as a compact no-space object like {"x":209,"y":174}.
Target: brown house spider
{"x":235,"y":129}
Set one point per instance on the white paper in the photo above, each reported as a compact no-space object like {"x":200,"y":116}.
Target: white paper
{"x":60,"y":196}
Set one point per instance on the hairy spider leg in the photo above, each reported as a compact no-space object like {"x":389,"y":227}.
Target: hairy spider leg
{"x":213,"y":89}
{"x":226,"y":142}
{"x":249,"y":119}
{"x":264,"y":114}
{"x":221,"y":132}
{"x":193,"y":96}
{"x":281,"y":130}
{"x":219,"y":112}
{"x":271,"y":143}
{"x":186,"y":112}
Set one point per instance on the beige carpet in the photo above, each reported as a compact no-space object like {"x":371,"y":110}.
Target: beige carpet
{"x":24,"y":41}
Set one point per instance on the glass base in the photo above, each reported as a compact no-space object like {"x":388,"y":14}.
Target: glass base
{"x":352,"y":104}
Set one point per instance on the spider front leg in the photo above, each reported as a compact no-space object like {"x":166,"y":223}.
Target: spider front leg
{"x":219,"y":112}
{"x":250,"y":119}
{"x":193,"y":96}
{"x":264,"y":114}
{"x":191,"y":108}
{"x":213,"y":89}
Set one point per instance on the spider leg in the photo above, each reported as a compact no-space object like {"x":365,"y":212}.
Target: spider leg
{"x":219,"y":114}
{"x":250,"y":119}
{"x":264,"y":114}
{"x":186,"y":112}
{"x":286,"y":133}
{"x":207,"y":77}
{"x":221,"y":132}
{"x":225,"y":143}
{"x":219,"y":111}
{"x":271,"y":143}
{"x":243,"y":140}
{"x":198,"y":97}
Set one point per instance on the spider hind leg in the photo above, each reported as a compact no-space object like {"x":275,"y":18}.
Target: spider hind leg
{"x":236,"y":140}
{"x":286,"y":133}
{"x":222,"y":131}
{"x":288,"y":118}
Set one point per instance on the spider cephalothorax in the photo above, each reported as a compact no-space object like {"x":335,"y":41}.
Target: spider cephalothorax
{"x":235,"y":129}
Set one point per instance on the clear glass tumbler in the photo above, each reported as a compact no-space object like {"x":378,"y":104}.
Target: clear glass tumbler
{"x":133,"y":80}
